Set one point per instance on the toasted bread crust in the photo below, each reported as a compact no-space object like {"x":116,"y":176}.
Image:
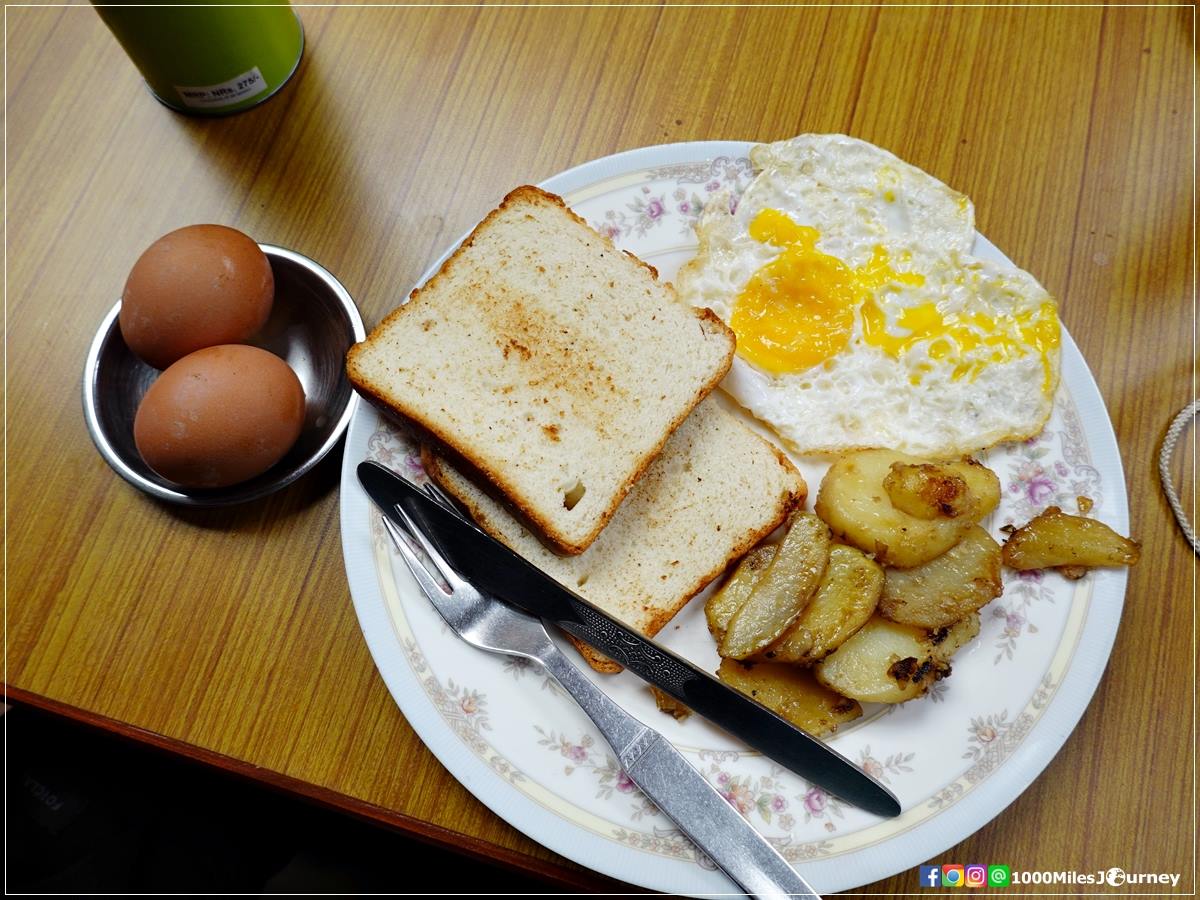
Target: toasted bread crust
{"x":709,"y":323}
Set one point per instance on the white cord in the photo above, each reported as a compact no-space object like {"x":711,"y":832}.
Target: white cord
{"x":1178,"y":424}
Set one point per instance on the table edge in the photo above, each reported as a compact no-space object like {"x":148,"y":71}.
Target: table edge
{"x":437,"y":835}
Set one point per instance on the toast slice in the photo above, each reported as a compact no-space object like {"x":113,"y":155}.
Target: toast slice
{"x":714,"y":492}
{"x":556,"y":365}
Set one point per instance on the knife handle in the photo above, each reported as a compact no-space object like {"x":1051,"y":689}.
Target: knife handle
{"x":679,"y":790}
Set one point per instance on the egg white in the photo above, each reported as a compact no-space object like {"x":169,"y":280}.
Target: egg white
{"x":859,"y":197}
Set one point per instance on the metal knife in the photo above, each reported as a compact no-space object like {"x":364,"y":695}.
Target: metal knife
{"x":494,"y":568}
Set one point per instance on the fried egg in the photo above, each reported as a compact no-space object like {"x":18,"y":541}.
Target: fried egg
{"x":862,"y":317}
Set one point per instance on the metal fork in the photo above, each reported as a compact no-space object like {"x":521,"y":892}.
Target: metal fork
{"x":648,"y":758}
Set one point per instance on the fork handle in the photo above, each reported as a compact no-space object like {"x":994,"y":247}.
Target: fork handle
{"x":680,"y":791}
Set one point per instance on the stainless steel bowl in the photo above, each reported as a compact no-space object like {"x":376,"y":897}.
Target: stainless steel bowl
{"x":313,"y":323}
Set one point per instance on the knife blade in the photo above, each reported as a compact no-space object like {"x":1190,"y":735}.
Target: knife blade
{"x":494,"y":568}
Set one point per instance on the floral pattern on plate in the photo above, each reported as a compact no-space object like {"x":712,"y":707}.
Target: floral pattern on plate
{"x":466,"y":712}
{"x":694,"y":186}
{"x":589,"y":755}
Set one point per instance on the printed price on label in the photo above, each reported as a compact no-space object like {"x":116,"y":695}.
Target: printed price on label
{"x":235,"y":90}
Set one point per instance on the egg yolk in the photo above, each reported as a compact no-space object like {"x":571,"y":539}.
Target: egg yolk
{"x":798,"y":310}
{"x":967,"y":342}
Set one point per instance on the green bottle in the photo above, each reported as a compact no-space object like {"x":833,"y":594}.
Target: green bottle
{"x":212,"y":57}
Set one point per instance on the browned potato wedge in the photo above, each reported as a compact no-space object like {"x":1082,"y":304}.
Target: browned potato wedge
{"x":845,"y":599}
{"x":949,"y":640}
{"x":946,"y":588}
{"x":734,"y":592}
{"x":1054,"y":538}
{"x":853,"y":501}
{"x":783,"y":591}
{"x":883,"y":662}
{"x":791,"y":692}
{"x":929,"y":490}
{"x":668,"y":704}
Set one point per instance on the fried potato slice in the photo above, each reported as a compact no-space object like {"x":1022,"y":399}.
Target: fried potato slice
{"x":1073,"y":573}
{"x":929,"y":490}
{"x":883,"y":662}
{"x":792,"y":692}
{"x":1054,"y":538}
{"x":844,"y":601}
{"x":732,"y":595}
{"x":948,"y":587}
{"x":949,"y":640}
{"x":853,"y":500}
{"x":783,"y":591}
{"x":669,"y":705}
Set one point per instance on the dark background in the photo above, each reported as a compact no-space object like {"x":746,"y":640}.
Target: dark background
{"x":90,"y":812}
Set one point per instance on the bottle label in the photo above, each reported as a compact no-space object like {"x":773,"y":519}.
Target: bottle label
{"x":235,"y":90}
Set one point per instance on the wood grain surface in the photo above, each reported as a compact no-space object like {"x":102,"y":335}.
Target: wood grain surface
{"x":230,"y":635}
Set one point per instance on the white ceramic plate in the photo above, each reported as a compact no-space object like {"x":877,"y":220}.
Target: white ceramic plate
{"x":955,"y":758}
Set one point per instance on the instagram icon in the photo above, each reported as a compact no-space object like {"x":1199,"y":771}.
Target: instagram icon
{"x":976,"y":876}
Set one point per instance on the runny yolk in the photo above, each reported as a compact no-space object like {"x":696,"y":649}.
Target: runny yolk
{"x":967,"y":342}
{"x":798,"y":310}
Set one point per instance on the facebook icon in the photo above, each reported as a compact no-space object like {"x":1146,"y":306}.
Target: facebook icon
{"x":931,"y":876}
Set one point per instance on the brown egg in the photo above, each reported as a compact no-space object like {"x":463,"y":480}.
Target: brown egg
{"x":219,"y":416}
{"x":196,"y":287}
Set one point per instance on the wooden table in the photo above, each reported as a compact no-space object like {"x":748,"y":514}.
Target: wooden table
{"x":228,"y":635}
